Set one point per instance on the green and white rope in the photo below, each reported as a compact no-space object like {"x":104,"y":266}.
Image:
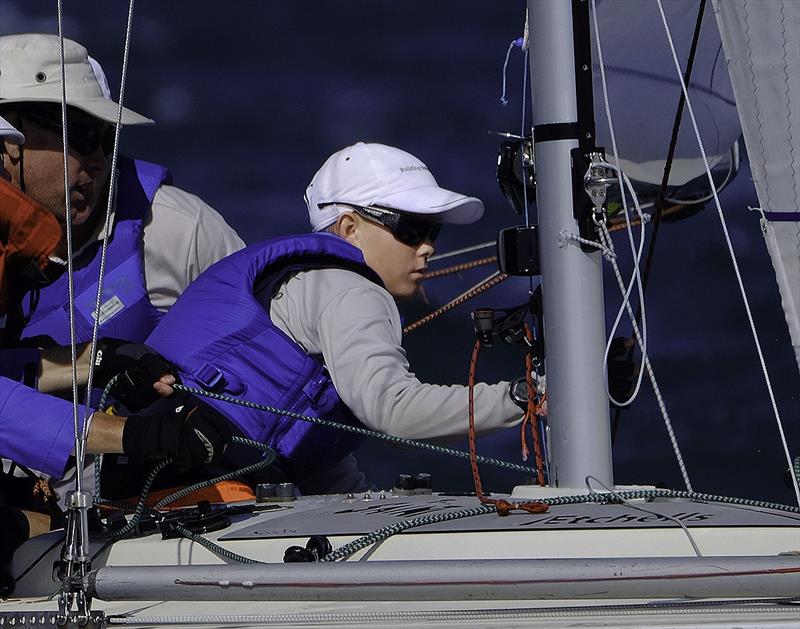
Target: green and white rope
{"x":398,"y":527}
{"x":355,"y":429}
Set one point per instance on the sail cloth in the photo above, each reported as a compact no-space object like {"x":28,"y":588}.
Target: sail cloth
{"x":644,"y":90}
{"x":762,"y":49}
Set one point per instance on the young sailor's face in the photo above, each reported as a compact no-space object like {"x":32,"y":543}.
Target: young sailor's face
{"x":400,"y":266}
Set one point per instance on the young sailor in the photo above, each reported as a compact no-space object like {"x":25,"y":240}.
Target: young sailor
{"x":310,"y":324}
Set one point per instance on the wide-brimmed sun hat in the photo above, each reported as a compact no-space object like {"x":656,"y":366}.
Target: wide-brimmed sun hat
{"x":30,"y":72}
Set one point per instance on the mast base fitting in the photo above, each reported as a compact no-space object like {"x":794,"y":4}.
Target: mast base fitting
{"x":518,"y":251}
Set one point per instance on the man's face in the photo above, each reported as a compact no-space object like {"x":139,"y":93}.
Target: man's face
{"x":400,"y":266}
{"x":41,"y":168}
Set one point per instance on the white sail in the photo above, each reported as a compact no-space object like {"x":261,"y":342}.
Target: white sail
{"x":644,"y":90}
{"x":762,"y":47}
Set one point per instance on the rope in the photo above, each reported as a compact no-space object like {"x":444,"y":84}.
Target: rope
{"x":503,"y":98}
{"x":354,"y":429}
{"x":484,"y":616}
{"x":482,"y":286}
{"x":649,"y":257}
{"x":141,"y":508}
{"x":630,"y":505}
{"x":651,"y":374}
{"x":565,"y":237}
{"x":503,"y":507}
{"x":458,"y":268}
{"x":732,"y":255}
{"x":634,"y":494}
{"x":534,"y":411}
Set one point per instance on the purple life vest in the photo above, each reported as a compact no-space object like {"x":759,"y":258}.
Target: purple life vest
{"x":221,"y":338}
{"x":126,"y":311}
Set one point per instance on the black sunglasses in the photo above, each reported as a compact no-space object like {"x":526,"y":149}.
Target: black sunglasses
{"x":85,"y":139}
{"x":407,"y":228}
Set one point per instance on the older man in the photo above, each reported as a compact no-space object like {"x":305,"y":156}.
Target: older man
{"x":309,"y":323}
{"x":162,"y":237}
{"x":36,"y":429}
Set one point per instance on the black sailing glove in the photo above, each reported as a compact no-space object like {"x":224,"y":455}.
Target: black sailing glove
{"x":622,"y":369}
{"x":138,"y":367}
{"x":179,"y":427}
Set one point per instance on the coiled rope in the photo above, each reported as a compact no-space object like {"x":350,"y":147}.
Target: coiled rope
{"x":502,"y":506}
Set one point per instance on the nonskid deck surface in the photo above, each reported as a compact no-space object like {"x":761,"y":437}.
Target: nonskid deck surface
{"x":339,"y":515}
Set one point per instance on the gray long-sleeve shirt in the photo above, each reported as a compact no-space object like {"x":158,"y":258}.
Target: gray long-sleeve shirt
{"x":355,"y":326}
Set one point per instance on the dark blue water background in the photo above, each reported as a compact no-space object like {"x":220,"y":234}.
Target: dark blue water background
{"x":251,"y":96}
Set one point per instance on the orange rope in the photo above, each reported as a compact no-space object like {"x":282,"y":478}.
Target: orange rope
{"x":458,"y":268}
{"x":531,"y":416}
{"x":504,"y":507}
{"x":483,"y":286}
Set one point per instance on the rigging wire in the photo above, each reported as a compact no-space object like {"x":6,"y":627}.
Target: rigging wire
{"x":105,"y":232}
{"x":732,"y":254}
{"x":68,"y":236}
{"x":458,"y":252}
{"x":606,"y":237}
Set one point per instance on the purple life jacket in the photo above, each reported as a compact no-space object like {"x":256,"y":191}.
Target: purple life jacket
{"x":221,"y":338}
{"x":126,"y":311}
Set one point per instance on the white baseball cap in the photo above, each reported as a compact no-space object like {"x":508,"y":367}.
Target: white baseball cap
{"x":10,"y":133}
{"x":376,"y":174}
{"x":30,"y":72}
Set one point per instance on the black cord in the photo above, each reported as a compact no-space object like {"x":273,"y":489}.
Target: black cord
{"x":662,"y":192}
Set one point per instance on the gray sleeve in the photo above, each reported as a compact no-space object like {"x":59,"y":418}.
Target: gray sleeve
{"x":182,"y":239}
{"x":356,"y":327}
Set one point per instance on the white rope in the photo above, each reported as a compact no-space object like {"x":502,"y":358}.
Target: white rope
{"x":106,"y":228}
{"x":606,"y":236}
{"x":564,"y":237}
{"x":730,"y":251}
{"x":636,"y":252}
{"x":68,"y":234}
{"x":625,"y":305}
{"x":630,"y":505}
{"x":503,"y":98}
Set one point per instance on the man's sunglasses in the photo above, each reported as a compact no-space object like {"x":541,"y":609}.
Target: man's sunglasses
{"x":408,"y":229}
{"x":85,"y":139}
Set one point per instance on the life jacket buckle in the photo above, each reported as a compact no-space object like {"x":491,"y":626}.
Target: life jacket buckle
{"x":210,"y":378}
{"x":316,"y":390}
